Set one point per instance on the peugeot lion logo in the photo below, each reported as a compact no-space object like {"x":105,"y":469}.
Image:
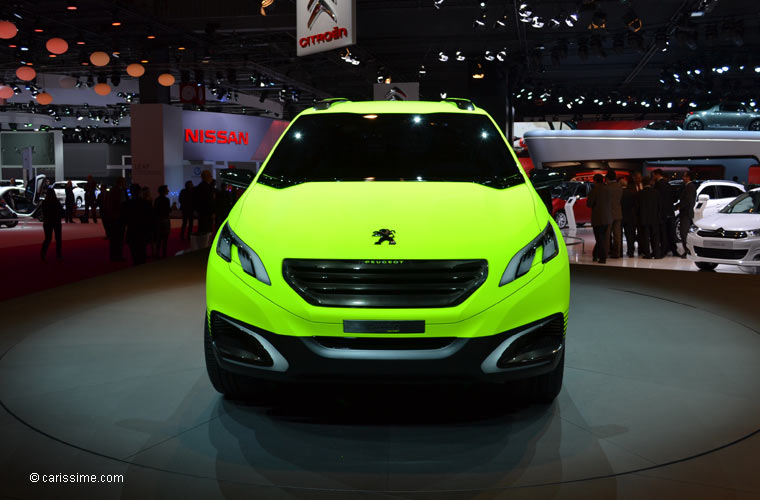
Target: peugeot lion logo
{"x":317,"y":7}
{"x":384,"y":235}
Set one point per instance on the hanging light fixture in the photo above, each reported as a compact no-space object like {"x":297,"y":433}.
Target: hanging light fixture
{"x":6,"y":92}
{"x":26,"y":73}
{"x":102,"y":89}
{"x":7,"y":30}
{"x":44,"y":98}
{"x":71,"y":5}
{"x":135,"y":70}
{"x":99,"y":58}
{"x":166,"y":79}
{"x":57,"y":46}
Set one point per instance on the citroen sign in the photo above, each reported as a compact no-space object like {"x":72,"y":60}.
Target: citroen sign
{"x":323,"y":25}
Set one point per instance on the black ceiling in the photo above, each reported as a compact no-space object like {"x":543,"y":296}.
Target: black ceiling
{"x":564,"y":65}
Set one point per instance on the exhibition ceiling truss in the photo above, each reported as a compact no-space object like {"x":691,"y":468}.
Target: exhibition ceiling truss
{"x":605,"y":57}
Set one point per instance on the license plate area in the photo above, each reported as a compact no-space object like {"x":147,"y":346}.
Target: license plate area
{"x":363,"y":326}
{"x":711,"y":243}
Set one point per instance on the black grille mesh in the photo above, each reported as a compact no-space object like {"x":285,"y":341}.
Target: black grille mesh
{"x":384,"y":284}
{"x":720,"y":253}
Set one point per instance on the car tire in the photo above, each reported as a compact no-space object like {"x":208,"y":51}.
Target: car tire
{"x":545,"y":388}
{"x":754,"y":125}
{"x":561,"y":219}
{"x":696,"y":125}
{"x":80,"y":203}
{"x":678,"y":230}
{"x":232,"y":385}
{"x":706,"y":266}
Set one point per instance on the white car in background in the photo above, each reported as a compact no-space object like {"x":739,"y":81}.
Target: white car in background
{"x":719,"y":194}
{"x":731,"y":236}
{"x":60,"y":192}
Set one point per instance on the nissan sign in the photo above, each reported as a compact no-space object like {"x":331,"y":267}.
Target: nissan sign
{"x":324,"y":25}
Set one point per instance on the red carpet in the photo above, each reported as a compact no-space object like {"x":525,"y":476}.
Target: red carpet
{"x":24,"y":272}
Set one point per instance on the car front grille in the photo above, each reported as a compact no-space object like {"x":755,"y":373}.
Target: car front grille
{"x":720,"y":233}
{"x":385,"y":283}
{"x":720,"y":253}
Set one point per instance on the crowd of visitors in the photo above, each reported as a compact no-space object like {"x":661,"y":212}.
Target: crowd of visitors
{"x":133,"y":217}
{"x":642,"y":210}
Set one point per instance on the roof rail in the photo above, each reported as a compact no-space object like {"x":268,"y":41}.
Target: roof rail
{"x":326,"y":103}
{"x":461,"y":103}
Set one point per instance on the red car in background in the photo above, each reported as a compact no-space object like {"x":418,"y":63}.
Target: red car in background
{"x":560,"y":195}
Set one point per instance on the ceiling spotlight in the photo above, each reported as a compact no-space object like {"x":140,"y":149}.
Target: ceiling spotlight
{"x":501,"y":23}
{"x":538,"y":22}
{"x":571,"y":19}
{"x":477,"y":71}
{"x":437,"y":3}
{"x":459,"y":56}
{"x":71,"y":5}
{"x":489,"y":56}
{"x":115,"y":20}
{"x":501,"y":55}
{"x":554,"y":23}
{"x":598,"y":21}
{"x":442,"y":57}
{"x":632,"y":20}
{"x":524,"y":11}
{"x":480,"y":22}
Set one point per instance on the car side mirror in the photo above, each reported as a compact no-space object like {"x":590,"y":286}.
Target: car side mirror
{"x":703,"y":198}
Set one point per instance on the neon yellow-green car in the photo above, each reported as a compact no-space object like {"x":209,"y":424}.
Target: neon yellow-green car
{"x":388,"y":241}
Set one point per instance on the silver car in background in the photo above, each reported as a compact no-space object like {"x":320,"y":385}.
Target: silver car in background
{"x":724,"y":116}
{"x":731,"y":236}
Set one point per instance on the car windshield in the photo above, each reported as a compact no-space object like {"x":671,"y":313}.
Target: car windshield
{"x":747,"y":203}
{"x":563,"y":191}
{"x":450,"y":147}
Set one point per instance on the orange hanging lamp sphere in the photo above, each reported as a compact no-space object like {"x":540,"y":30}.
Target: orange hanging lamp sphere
{"x":102,"y":89}
{"x":99,"y":58}
{"x":44,"y":98}
{"x":136,"y":70}
{"x":57,"y":46}
{"x":6,"y":92}
{"x":26,"y":73}
{"x":7,"y":30}
{"x":166,"y":79}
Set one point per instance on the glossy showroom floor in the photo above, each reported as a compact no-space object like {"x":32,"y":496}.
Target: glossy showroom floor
{"x":660,"y":400}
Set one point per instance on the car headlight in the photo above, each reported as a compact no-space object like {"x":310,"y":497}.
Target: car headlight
{"x":523,"y":260}
{"x":693,"y":228}
{"x":753,"y":232}
{"x":249,"y":260}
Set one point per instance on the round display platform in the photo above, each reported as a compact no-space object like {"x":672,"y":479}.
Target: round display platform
{"x":118,"y":372}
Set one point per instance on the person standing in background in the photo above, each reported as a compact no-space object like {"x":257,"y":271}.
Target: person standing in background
{"x":161,"y":211}
{"x":222,"y":204}
{"x":70,"y":203}
{"x":668,"y":216}
{"x":686,"y":208}
{"x":628,"y":211}
{"x":137,"y":215}
{"x":52,"y":211}
{"x":601,"y":218}
{"x":90,"y":200}
{"x":113,"y":202}
{"x":616,"y":228}
{"x":649,"y":220}
{"x":203,"y":202}
{"x":186,"y":207}
{"x":151,"y":223}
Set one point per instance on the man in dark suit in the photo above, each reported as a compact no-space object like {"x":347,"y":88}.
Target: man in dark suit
{"x":668,"y":216}
{"x":649,"y":221}
{"x":628,"y":211}
{"x":616,"y":230}
{"x":686,"y":208}
{"x":601,"y":218}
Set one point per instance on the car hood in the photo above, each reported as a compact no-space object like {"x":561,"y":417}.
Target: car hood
{"x":731,"y":222}
{"x":431,"y":220}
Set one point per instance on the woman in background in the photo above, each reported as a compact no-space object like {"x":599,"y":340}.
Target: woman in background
{"x":52,"y":212}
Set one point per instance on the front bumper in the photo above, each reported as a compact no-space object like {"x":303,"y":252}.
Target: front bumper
{"x":524,"y":352}
{"x":737,"y":252}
